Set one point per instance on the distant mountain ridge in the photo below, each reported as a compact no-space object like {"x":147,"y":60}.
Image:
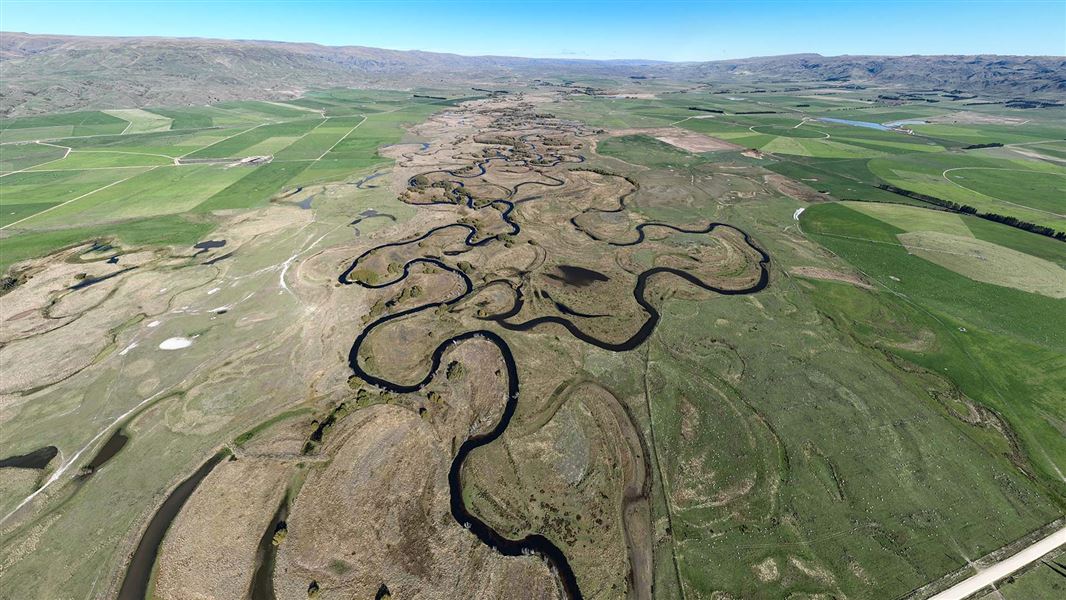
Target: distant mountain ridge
{"x":971,"y":73}
{"x":43,"y":73}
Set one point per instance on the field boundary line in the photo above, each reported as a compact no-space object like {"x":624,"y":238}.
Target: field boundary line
{"x":904,"y":246}
{"x":305,"y":134}
{"x":254,"y":127}
{"x":87,"y":169}
{"x":659,"y":468}
{"x":47,"y":162}
{"x":95,"y":135}
{"x":342,"y":139}
{"x":51,"y":208}
{"x":320,"y":111}
{"x":124,"y":152}
{"x":993,"y":198}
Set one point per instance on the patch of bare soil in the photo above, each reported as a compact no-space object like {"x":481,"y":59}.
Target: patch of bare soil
{"x":689,"y":141}
{"x":831,"y":275}
{"x":695,"y":142}
{"x":924,"y":341}
{"x":967,"y":117}
{"x":767,"y":570}
{"x":633,"y":96}
{"x":793,"y":189}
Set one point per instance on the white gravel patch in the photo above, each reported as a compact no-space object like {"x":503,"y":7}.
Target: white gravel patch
{"x":175,"y":343}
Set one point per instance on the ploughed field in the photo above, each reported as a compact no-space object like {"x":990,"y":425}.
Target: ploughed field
{"x":367,"y":344}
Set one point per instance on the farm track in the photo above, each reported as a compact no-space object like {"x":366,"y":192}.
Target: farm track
{"x":1004,"y":568}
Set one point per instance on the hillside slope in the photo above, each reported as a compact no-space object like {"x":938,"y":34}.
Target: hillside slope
{"x":47,"y":73}
{"x":1021,"y":75}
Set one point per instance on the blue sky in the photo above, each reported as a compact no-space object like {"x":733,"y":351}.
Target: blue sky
{"x":670,"y":30}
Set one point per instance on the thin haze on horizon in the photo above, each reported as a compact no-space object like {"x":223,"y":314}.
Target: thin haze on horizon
{"x":676,"y":30}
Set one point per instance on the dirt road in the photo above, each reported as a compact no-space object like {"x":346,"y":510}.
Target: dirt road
{"x":1003,"y":568}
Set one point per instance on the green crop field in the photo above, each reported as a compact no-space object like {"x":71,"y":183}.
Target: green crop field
{"x":1001,"y":346}
{"x":1028,"y":189}
{"x":255,"y":188}
{"x":62,"y":125}
{"x":647,"y":151}
{"x":119,"y":172}
{"x":141,"y":121}
{"x":242,"y":143}
{"x":15,"y":157}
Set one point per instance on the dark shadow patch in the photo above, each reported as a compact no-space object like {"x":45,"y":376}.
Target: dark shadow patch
{"x":38,"y":459}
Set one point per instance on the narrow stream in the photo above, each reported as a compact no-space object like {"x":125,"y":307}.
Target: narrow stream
{"x":531,"y":544}
{"x":139,"y":571}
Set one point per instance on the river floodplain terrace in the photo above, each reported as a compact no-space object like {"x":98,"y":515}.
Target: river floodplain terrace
{"x":555,"y":337}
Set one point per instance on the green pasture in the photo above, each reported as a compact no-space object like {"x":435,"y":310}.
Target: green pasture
{"x":141,"y":121}
{"x":15,"y":157}
{"x":1001,"y":346}
{"x":647,"y":151}
{"x":126,"y":173}
{"x":1030,"y":190}
{"x":243,"y":144}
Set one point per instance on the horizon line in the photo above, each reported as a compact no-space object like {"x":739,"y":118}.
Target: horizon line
{"x":513,"y":56}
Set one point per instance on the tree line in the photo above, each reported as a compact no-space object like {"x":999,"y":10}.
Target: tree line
{"x":969,"y":210}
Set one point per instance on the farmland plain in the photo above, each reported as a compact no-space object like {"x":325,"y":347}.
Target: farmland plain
{"x":534,"y":343}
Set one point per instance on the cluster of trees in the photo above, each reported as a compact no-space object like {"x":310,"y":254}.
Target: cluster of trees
{"x":1015,"y":222}
{"x":455,"y":371}
{"x":948,"y":204}
{"x":969,"y":210}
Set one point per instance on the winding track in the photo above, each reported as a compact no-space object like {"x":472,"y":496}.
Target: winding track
{"x":531,"y":544}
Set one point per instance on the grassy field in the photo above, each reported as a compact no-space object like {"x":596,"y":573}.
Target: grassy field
{"x":60,"y":125}
{"x":999,"y":345}
{"x":166,"y":229}
{"x":928,"y":154}
{"x":123,"y":168}
{"x":141,"y":121}
{"x":797,"y":446}
{"x":1028,"y":189}
{"x":647,"y":151}
{"x":818,"y":437}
